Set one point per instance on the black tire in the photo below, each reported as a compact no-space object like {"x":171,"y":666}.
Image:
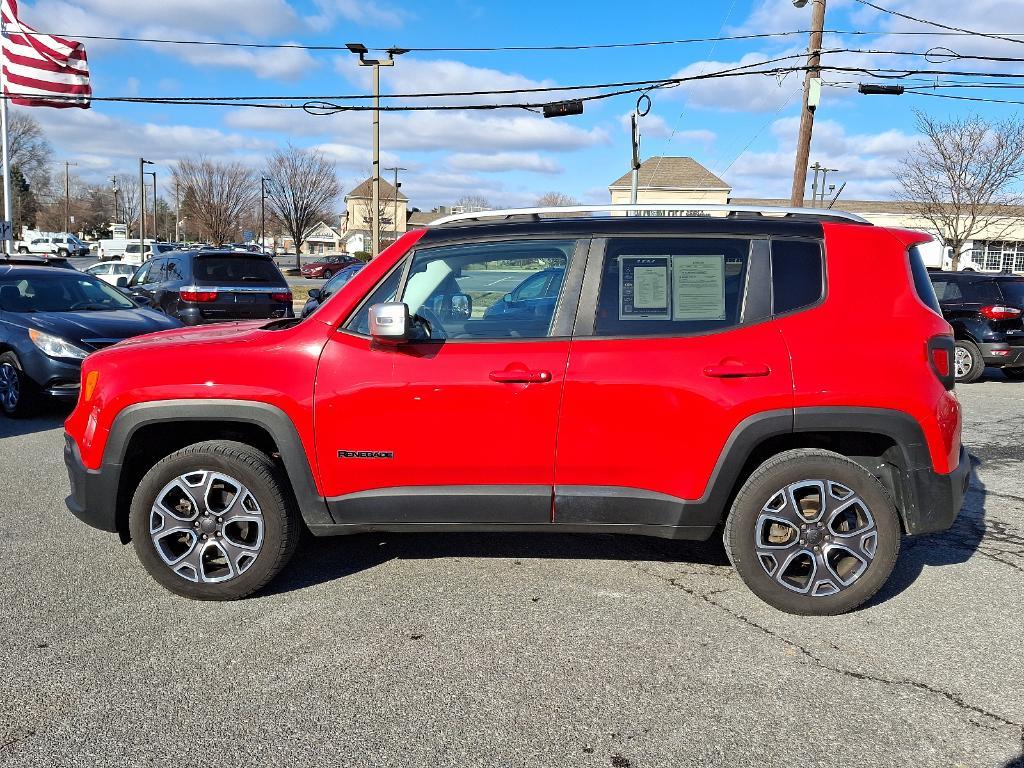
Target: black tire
{"x":968,"y":350}
{"x":23,"y":250}
{"x":838,"y":474}
{"x":281,"y":527}
{"x":328,"y":274}
{"x":25,"y":400}
{"x":1014,"y":374}
{"x":62,"y":253}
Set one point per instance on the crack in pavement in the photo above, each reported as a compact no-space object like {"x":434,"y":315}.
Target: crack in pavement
{"x":953,"y":698}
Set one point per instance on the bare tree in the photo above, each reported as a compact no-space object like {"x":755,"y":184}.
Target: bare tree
{"x":556,"y":199}
{"x":961,"y":178}
{"x":28,"y":148}
{"x":302,"y":191}
{"x":216,"y":196}
{"x":470,"y":203}
{"x":128,"y":201}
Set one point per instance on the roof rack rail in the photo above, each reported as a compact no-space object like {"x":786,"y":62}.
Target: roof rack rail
{"x":653,"y":209}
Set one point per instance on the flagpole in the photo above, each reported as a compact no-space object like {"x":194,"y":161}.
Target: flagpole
{"x":3,"y":141}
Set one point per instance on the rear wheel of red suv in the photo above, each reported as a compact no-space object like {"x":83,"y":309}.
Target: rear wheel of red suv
{"x":213,"y":521}
{"x":812,"y":532}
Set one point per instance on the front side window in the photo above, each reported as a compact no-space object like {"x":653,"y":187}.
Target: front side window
{"x":671,"y":286}
{"x":142,"y":275}
{"x":488,"y":290}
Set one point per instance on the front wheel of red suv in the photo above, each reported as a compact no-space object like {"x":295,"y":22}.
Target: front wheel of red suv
{"x":213,"y":521}
{"x":813,"y":533}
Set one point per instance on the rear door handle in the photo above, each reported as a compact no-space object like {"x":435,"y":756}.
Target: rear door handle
{"x":521,"y":377}
{"x":736,"y":370}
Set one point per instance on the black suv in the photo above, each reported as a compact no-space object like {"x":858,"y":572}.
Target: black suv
{"x":985,"y":312}
{"x":213,"y":286}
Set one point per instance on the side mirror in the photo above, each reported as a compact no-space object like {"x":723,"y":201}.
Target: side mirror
{"x":122,"y":282}
{"x":461,"y":307}
{"x":314,"y":294}
{"x":390,"y":322}
{"x":507,"y":298}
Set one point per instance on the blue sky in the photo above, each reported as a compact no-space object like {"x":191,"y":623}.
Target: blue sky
{"x":743,"y":129}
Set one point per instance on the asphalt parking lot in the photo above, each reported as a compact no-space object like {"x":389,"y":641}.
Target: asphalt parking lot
{"x":510,"y":650}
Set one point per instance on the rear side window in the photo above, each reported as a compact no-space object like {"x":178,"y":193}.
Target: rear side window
{"x":235,"y":269}
{"x":922,"y":283}
{"x":797,"y":275}
{"x":948,"y":291}
{"x":1013,"y":292}
{"x":981,"y":292}
{"x":671,"y":286}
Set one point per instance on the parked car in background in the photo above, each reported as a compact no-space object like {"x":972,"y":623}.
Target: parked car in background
{"x":690,"y":375}
{"x":153,"y":248}
{"x":200,"y":287}
{"x":64,"y":246}
{"x":533,"y":297}
{"x":50,"y":320}
{"x":985,"y":311}
{"x":111,"y":248}
{"x":318,"y":296}
{"x":111,"y":272}
{"x":328,"y":266}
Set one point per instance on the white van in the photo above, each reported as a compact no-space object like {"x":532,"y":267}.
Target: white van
{"x":153,"y":248}
{"x":112,"y":248}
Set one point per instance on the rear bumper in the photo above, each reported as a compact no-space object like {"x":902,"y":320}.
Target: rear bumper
{"x":93,"y":498}
{"x":1002,"y":354}
{"x":939,"y":497}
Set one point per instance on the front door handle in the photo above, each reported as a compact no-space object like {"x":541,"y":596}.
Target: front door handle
{"x":735,"y":369}
{"x":521,"y":377}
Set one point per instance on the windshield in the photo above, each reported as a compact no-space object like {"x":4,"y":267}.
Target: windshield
{"x":60,"y":292}
{"x":234,"y":269}
{"x":1013,"y":292}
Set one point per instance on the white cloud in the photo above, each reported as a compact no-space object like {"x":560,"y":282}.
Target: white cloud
{"x":280,"y":63}
{"x":503,"y":161}
{"x":744,"y":93}
{"x":866,"y":162}
{"x":362,"y":12}
{"x":349,"y":156}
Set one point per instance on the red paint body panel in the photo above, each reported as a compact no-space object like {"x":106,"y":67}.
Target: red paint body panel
{"x":642,"y":413}
{"x":436,"y":407}
{"x":865,"y":345}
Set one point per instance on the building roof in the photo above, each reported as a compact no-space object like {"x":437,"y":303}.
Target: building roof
{"x":894,"y":207}
{"x":672,"y":173}
{"x":422,"y":218}
{"x":365,"y":190}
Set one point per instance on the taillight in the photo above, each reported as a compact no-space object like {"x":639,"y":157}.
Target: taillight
{"x":940,"y":355}
{"x":198,"y":296}
{"x":287,"y":296}
{"x":999,"y":312}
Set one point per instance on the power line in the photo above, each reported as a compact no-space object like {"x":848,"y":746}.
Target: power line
{"x":931,"y":23}
{"x":1011,"y":36}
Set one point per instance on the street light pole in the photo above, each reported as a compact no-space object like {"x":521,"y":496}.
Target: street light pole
{"x":142,"y":207}
{"x":394,"y":221}
{"x":361,"y":50}
{"x":113,"y":185}
{"x":812,"y":92}
{"x":156,"y":228}
{"x":263,"y":212}
{"x":67,"y":197}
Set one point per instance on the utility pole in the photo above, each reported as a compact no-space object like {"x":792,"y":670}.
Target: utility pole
{"x":812,"y":95}
{"x":263,"y":212}
{"x":177,"y":211}
{"x":361,"y":50}
{"x":67,"y":197}
{"x":824,"y":181}
{"x":814,"y":184}
{"x":113,"y":186}
{"x":394,"y":221}
{"x":156,"y":228}
{"x":142,"y":207}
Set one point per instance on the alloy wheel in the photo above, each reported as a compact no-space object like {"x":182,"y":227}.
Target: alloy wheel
{"x":815,"y":537}
{"x":963,"y":362}
{"x":10,"y":386}
{"x":206,"y":526}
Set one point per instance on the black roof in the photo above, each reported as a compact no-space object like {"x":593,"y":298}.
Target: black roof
{"x":587,"y":226}
{"x":971,"y":276}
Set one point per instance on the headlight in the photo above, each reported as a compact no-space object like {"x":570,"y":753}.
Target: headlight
{"x":54,"y":346}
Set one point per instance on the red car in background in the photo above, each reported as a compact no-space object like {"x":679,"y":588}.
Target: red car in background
{"x":328,"y":266}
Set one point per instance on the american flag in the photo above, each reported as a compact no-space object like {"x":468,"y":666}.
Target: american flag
{"x":42,"y":70}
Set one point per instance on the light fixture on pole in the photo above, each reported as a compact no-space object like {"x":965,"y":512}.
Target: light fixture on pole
{"x":143,"y":162}
{"x":361,"y":50}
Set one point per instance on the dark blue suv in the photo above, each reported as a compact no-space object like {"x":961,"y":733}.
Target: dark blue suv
{"x":50,"y":319}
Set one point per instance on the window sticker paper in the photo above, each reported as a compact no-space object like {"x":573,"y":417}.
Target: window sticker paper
{"x":698,"y":287}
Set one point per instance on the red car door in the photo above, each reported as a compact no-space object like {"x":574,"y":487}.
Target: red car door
{"x":459,"y":425}
{"x":673,"y":354}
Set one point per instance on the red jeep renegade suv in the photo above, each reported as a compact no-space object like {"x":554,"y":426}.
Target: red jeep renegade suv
{"x":713,"y":372}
